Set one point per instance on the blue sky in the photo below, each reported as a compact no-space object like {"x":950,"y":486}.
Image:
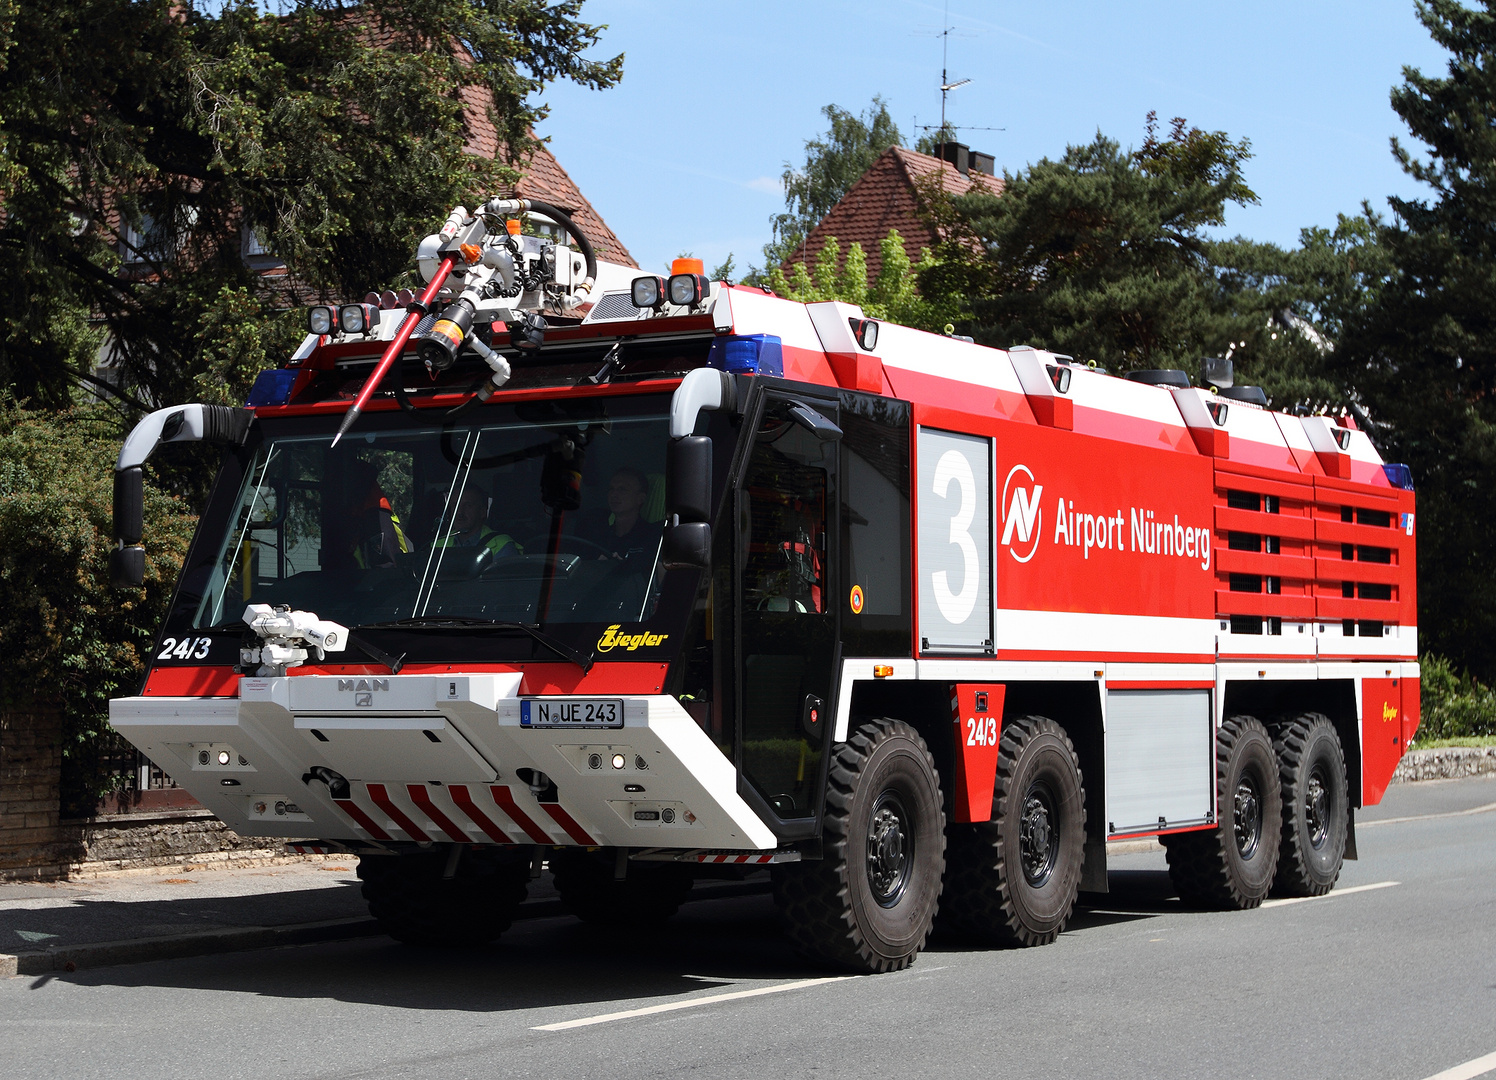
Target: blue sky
{"x":685,"y":154}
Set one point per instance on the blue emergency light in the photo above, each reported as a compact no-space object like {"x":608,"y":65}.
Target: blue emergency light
{"x":748,"y":354}
{"x":272,"y":387}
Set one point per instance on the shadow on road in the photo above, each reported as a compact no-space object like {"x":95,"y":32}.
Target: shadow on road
{"x":559,"y":961}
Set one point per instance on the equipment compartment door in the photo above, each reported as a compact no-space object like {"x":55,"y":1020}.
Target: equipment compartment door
{"x":786,"y":522}
{"x":955,"y":543}
{"x":1159,"y":768}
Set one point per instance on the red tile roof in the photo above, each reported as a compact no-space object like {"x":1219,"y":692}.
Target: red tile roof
{"x":886,"y":197}
{"x":543,"y":178}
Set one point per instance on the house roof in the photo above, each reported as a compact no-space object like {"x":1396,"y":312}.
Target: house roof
{"x":886,"y":197}
{"x":544,"y":179}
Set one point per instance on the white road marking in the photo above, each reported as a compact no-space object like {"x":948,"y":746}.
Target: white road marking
{"x":1428,"y":817}
{"x":1330,"y":895}
{"x":690,"y":1003}
{"x":1479,"y":1067}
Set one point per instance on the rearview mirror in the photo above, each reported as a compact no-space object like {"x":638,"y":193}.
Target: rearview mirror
{"x":688,"y":545}
{"x":688,"y":478}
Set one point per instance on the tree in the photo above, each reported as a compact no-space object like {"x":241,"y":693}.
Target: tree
{"x":1423,"y":352}
{"x":833,"y":163}
{"x":145,"y":142}
{"x":1102,"y":254}
{"x":893,"y":297}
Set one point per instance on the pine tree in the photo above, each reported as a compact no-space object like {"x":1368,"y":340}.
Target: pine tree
{"x":1423,"y":353}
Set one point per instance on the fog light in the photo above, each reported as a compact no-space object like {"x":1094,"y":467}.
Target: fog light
{"x":594,"y":761}
{"x":667,"y":815}
{"x":202,"y":757}
{"x":619,"y":761}
{"x":223,"y":757}
{"x":280,"y":809}
{"x":640,"y":763}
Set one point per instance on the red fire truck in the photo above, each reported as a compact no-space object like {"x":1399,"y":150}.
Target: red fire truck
{"x":648,"y":578}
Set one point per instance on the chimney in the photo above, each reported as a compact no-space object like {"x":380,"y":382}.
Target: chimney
{"x":958,"y":154}
{"x":983,"y":163}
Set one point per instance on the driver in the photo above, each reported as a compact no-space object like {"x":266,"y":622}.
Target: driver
{"x":470,"y":527}
{"x":628,"y":534}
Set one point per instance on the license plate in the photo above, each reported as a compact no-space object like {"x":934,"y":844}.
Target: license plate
{"x":571,"y":713}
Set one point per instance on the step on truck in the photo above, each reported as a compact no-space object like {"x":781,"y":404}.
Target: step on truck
{"x":648,"y":578}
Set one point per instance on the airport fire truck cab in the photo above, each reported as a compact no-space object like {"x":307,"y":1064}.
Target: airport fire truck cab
{"x":648,"y":578}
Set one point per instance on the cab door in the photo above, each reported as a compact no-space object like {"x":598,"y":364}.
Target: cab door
{"x":785,"y":549}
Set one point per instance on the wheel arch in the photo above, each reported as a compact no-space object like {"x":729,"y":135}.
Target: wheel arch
{"x":1285,"y":699}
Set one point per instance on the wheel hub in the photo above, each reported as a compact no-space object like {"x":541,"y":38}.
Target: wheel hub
{"x":1247,"y":816}
{"x":1038,"y":839}
{"x":1317,"y":809}
{"x":889,"y":850}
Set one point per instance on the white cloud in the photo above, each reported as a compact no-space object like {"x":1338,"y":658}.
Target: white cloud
{"x":769,"y":185}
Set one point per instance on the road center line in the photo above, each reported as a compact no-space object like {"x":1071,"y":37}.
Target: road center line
{"x":1331,"y":895}
{"x":1428,"y":817}
{"x":1478,"y":1067}
{"x":690,"y":1003}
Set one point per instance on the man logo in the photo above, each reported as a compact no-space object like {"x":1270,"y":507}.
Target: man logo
{"x":363,"y":690}
{"x":1022,"y":517}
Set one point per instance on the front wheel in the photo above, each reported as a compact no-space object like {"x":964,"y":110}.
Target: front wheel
{"x":415,"y":901}
{"x":868,"y":905}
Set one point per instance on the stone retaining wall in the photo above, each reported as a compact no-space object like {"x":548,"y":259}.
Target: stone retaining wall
{"x":32,"y":845}
{"x":139,"y":840}
{"x":1445,"y":763}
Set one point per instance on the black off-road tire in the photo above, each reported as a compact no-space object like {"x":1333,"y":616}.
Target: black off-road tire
{"x":1311,"y":771}
{"x":1231,"y":867}
{"x":868,"y":904}
{"x":414,"y":903}
{"x":1014,"y":880}
{"x":650,"y":892}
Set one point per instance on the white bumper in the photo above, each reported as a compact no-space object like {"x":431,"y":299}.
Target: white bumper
{"x":437,"y":758}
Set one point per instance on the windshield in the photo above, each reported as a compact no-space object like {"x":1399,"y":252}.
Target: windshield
{"x":539,"y":512}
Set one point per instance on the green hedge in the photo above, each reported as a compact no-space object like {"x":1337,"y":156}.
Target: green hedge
{"x":66,"y":636}
{"x":1454,"y":704}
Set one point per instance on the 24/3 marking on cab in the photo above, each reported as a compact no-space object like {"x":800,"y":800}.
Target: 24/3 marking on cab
{"x":186,"y":649}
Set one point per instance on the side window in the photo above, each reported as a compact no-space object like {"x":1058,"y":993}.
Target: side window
{"x":784,"y":511}
{"x":874,"y":593}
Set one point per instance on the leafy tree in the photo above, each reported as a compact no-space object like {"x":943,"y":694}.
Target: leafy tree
{"x":145,"y":140}
{"x":1423,"y":351}
{"x":893,"y":297}
{"x":1102,"y":254}
{"x":834,"y":162}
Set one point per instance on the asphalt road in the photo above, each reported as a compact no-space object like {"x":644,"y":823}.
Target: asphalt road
{"x":1393,"y":975}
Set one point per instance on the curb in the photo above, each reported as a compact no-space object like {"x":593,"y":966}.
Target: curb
{"x":241,"y":939}
{"x":202,"y":942}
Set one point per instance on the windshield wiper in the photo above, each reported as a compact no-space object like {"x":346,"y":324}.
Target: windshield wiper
{"x":460,"y":622}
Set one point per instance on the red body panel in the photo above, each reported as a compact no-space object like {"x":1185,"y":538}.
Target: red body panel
{"x":1381,"y":736}
{"x":977,"y":733}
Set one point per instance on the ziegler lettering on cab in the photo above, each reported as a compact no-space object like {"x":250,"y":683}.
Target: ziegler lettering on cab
{"x":612,"y":639}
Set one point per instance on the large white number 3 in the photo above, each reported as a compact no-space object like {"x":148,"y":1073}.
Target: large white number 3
{"x":957,"y":607}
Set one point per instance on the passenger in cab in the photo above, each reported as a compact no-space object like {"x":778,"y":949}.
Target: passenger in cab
{"x":374,"y":527}
{"x":470,"y":529}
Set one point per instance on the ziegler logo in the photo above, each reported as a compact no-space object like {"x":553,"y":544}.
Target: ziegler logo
{"x":363,"y":689}
{"x":1022,"y":517}
{"x":612,"y":639}
{"x":1389,"y":712}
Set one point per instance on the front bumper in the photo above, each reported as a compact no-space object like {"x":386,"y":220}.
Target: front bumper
{"x":434,"y":758}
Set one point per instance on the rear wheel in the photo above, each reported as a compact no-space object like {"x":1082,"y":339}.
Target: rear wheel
{"x":1232,"y":865}
{"x":1311,"y":770}
{"x":650,"y":893}
{"x":868,"y":905}
{"x":415,"y":902}
{"x":1013,"y":880}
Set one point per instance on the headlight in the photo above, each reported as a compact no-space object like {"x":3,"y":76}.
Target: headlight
{"x":359,"y":318}
{"x":322,"y":320}
{"x":687,"y":289}
{"x":648,"y":292}
{"x":866,"y":333}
